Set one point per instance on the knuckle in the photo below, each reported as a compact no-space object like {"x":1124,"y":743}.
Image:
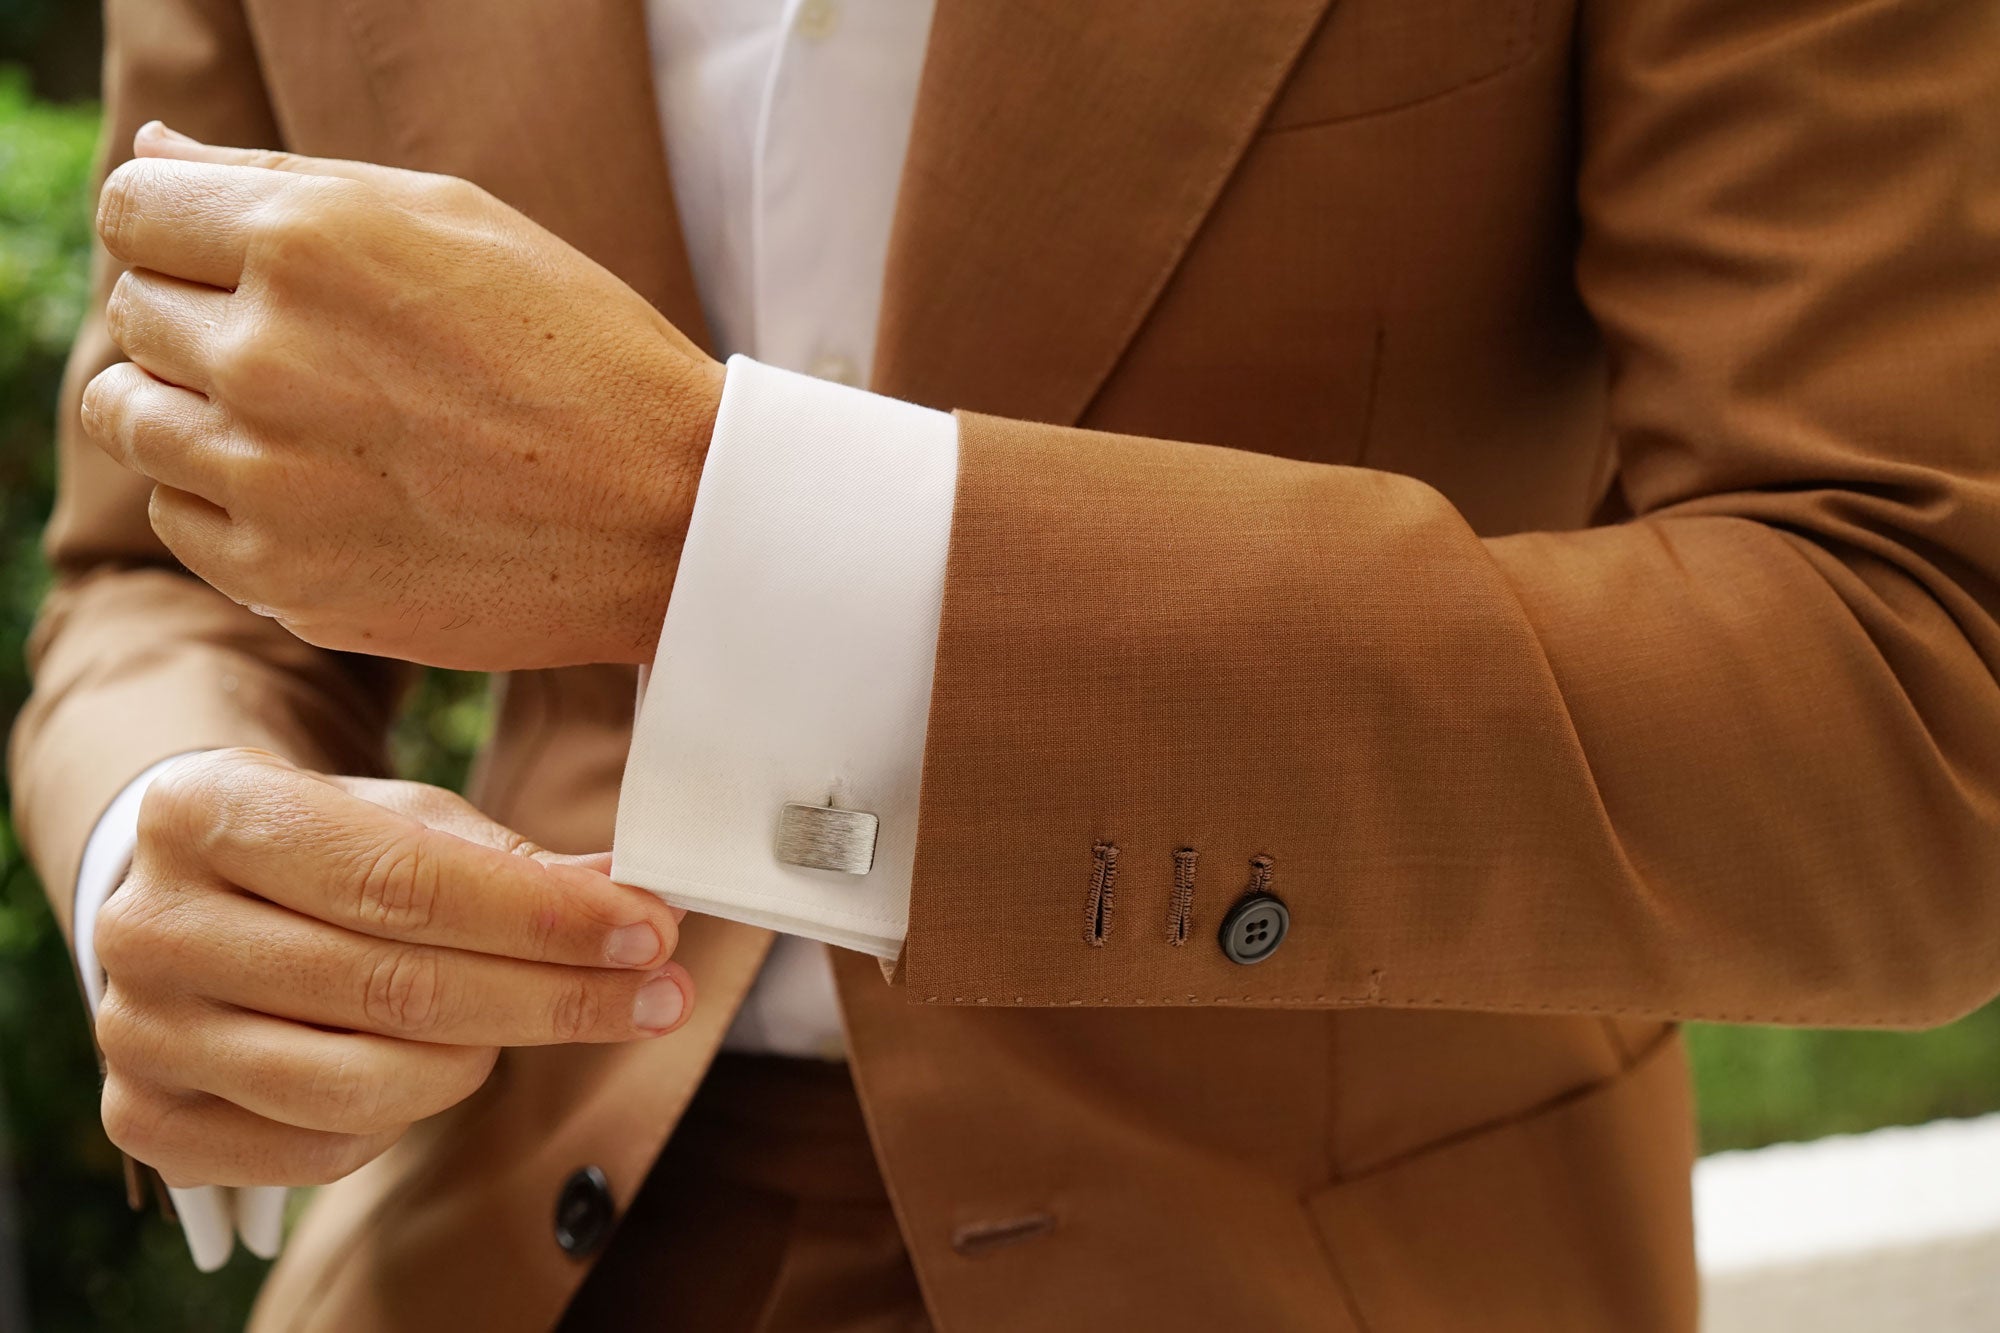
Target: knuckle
{"x":241,"y":370}
{"x":141,"y":1040}
{"x":452,"y":193}
{"x":121,"y":927}
{"x":403,"y":992}
{"x":118,"y":1028}
{"x":540,"y":929}
{"x":507,"y":840}
{"x":271,"y":159}
{"x":183,"y":794}
{"x":475,"y":1066}
{"x":114,"y":207}
{"x":118,"y":309}
{"x":241,"y":476}
{"x":348,"y":1101}
{"x":148,"y":435}
{"x":291,"y":238}
{"x":138,"y":938}
{"x":229,"y":805}
{"x":579,"y":1010}
{"x":90,"y":407}
{"x":119,"y":1109}
{"x":188,"y":808}
{"x":325,"y":1158}
{"x":103,"y":400}
{"x":171,"y":517}
{"x":134,"y":1119}
{"x":304,"y":229}
{"x":260,"y":565}
{"x":397,"y":892}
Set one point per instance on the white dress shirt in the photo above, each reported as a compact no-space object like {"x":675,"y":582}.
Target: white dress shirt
{"x":795,"y":661}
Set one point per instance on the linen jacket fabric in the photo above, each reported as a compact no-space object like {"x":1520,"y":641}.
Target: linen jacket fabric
{"x":1590,"y":613}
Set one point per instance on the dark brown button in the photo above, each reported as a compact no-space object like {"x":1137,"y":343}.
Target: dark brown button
{"x":584,"y":1212}
{"x":1254,"y":929}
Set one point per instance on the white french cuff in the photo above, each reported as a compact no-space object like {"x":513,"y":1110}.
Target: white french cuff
{"x":794,"y":665}
{"x":212,"y":1216}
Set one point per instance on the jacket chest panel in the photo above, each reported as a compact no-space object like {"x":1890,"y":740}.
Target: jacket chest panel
{"x":1391,"y":290}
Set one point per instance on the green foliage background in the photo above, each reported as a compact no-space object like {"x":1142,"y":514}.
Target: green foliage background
{"x":89,"y":1264}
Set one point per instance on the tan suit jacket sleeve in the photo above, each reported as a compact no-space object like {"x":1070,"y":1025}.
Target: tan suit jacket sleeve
{"x":1736,"y":757}
{"x":134,"y":659}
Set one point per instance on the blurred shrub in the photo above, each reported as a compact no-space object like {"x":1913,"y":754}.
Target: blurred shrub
{"x":44,"y":229}
{"x":1769,"y":1085}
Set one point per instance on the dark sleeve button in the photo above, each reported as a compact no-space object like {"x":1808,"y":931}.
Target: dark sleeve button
{"x":584,"y":1212}
{"x":1254,"y":929}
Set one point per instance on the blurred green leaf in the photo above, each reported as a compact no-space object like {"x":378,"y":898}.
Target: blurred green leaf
{"x":1769,"y":1085}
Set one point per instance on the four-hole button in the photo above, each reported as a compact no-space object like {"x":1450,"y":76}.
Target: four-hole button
{"x":1254,"y":928}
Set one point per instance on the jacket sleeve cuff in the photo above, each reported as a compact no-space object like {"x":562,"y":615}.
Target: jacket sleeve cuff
{"x":795,"y":662}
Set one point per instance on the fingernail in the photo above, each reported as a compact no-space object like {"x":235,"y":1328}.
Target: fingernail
{"x":633,"y":946}
{"x":659,"y":1005}
{"x":157,"y":129}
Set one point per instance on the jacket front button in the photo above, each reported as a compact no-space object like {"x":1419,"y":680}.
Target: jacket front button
{"x":1254,"y":929}
{"x":583,"y":1212}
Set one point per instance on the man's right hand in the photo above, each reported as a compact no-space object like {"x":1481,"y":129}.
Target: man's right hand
{"x":299,"y":967}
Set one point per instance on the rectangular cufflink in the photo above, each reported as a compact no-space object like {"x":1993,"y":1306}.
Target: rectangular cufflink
{"x":820,"y":837}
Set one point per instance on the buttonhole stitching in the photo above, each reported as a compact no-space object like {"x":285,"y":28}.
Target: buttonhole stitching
{"x":1097,"y":904}
{"x":1180,"y":910}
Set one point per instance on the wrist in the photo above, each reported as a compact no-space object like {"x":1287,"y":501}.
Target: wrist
{"x":693,"y":405}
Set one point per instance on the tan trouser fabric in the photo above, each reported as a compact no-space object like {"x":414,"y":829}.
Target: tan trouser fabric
{"x":765,"y":1214}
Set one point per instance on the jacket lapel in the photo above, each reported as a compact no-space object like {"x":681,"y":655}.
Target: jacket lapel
{"x":1062,"y":158}
{"x":549,"y":106}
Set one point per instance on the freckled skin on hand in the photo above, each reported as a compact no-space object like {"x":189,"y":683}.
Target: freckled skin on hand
{"x":409,"y":388}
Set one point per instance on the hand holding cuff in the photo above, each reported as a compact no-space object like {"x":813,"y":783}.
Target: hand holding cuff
{"x":211,"y":1216}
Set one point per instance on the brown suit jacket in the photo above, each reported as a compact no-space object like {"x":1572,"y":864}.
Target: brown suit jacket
{"x":1591,"y":616}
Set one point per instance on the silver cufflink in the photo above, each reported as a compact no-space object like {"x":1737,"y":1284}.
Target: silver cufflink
{"x":820,"y":837}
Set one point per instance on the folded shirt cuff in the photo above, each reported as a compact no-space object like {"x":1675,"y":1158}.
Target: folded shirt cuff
{"x":795,"y":661}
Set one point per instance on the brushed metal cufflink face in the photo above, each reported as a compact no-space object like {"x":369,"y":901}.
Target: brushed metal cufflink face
{"x":820,"y":837}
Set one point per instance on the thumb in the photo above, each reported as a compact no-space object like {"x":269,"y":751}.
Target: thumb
{"x":155,"y":139}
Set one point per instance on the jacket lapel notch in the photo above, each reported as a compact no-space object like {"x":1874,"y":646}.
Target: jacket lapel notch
{"x":1062,"y":158}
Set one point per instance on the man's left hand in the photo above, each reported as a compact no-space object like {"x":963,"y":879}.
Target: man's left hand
{"x":392,"y":412}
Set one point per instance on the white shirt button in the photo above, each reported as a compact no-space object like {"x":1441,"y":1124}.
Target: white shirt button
{"x":836,"y":369}
{"x":815,"y":19}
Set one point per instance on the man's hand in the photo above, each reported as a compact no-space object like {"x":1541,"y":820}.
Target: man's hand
{"x":393,"y":413}
{"x":299,"y":967}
